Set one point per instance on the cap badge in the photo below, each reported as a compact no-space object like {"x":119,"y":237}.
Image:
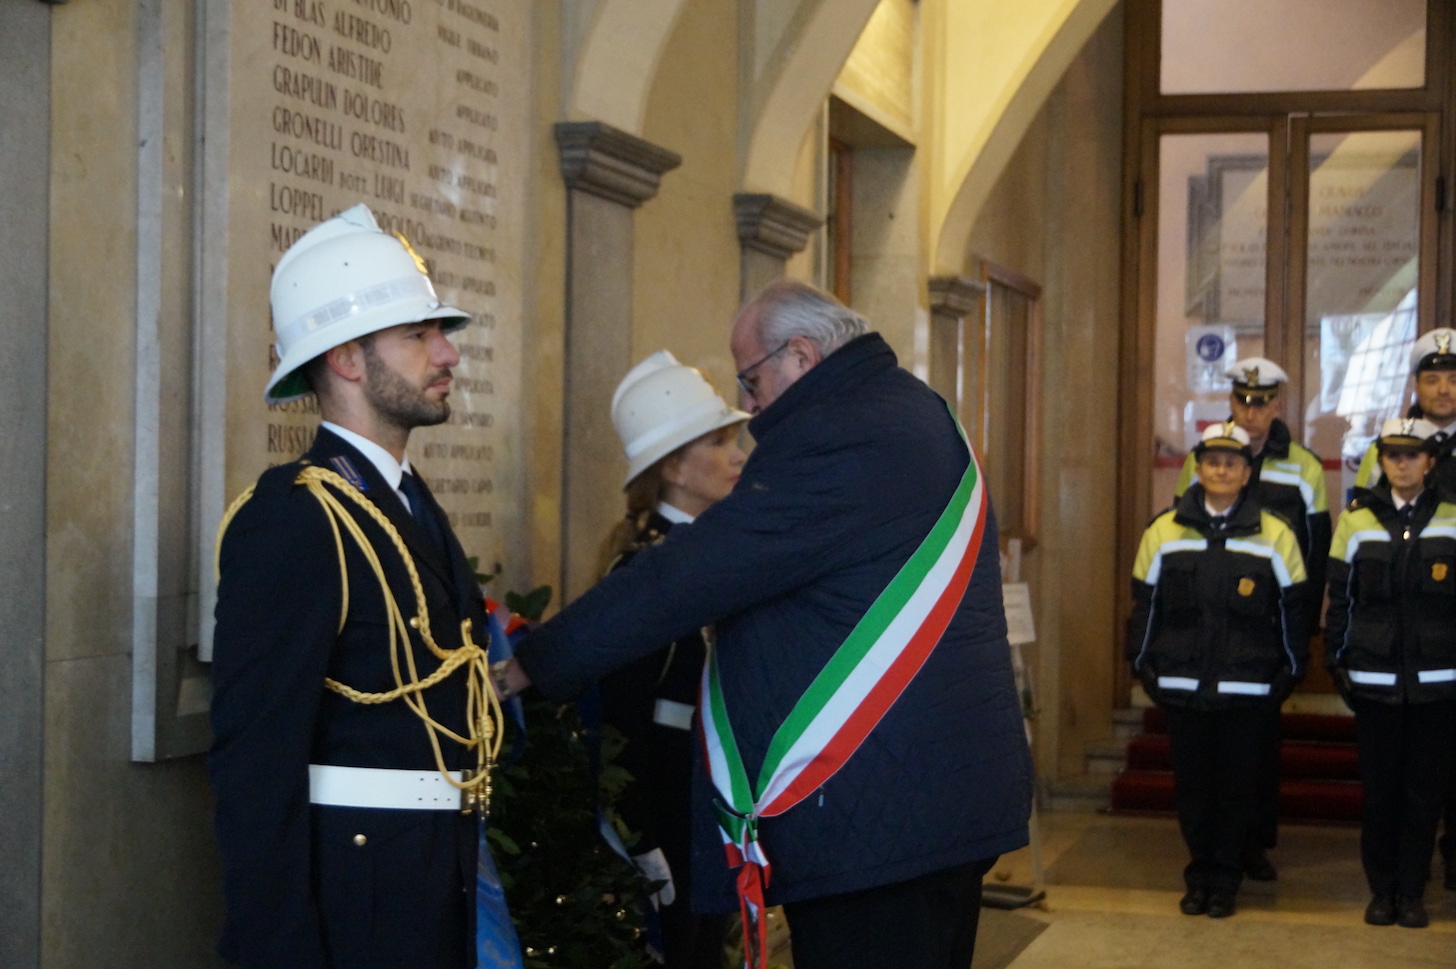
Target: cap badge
{"x":419,"y":261}
{"x":1443,"y":342}
{"x":1408,"y":426}
{"x":1228,"y":426}
{"x":1251,"y":376}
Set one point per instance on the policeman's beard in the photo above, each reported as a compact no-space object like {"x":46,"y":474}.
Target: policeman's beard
{"x":398,"y":401}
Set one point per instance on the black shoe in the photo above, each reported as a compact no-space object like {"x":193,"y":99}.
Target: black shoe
{"x":1258,"y":867}
{"x":1221,"y":905}
{"x":1195,"y":902}
{"x":1410,"y":912}
{"x":1380,"y":911}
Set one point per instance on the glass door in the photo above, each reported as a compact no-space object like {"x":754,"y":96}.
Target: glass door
{"x":1362,"y":278}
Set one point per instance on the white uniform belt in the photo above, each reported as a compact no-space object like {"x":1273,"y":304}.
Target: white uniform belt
{"x":378,"y":787}
{"x":670,"y":713}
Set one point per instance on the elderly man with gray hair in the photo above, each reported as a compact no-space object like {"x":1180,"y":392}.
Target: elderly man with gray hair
{"x":864,"y":756}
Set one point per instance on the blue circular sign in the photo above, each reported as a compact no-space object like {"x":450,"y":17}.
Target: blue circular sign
{"x":1210,"y":348}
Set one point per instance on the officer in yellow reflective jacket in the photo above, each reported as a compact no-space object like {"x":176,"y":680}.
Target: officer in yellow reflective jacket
{"x":1218,"y":637}
{"x":1433,"y":361}
{"x":1289,"y":480}
{"x":1392,"y":651}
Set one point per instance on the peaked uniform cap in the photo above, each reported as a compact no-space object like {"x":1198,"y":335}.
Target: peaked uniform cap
{"x":1257,"y":377}
{"x":1225,"y":436}
{"x":1406,"y":432}
{"x":1435,"y":350}
{"x":343,"y":279}
{"x":660,"y":406}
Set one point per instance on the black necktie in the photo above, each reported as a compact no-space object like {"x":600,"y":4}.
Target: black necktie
{"x":424,"y":513}
{"x":1441,"y":437}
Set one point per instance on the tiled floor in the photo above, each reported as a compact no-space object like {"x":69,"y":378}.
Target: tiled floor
{"x":1113,"y":885}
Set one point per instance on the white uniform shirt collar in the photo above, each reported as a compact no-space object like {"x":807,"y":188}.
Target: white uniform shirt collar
{"x":675,"y":515}
{"x":389,"y":469}
{"x":1400,"y":502}
{"x":1449,"y":430}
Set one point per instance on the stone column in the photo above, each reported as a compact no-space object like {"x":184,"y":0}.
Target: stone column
{"x":770,"y":230}
{"x":608,"y":174}
{"x":952,"y":299}
{"x":25,"y":45}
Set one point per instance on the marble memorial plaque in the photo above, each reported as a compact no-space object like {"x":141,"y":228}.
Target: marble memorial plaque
{"x":419,"y":109}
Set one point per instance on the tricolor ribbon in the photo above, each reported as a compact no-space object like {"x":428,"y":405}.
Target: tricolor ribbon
{"x":853,"y":691}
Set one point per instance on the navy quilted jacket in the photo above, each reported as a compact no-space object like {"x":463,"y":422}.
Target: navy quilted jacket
{"x":853,"y":465}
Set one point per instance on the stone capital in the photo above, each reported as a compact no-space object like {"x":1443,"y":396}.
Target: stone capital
{"x":773,"y":225}
{"x":954,"y":295}
{"x":609,"y":163}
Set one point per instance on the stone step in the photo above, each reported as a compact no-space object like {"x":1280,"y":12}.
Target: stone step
{"x":1080,"y":792}
{"x":1127,"y":723}
{"x":1105,"y":757}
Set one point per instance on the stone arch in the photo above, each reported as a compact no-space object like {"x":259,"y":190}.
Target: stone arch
{"x":795,"y":91}
{"x":1024,"y":92}
{"x":618,"y":60}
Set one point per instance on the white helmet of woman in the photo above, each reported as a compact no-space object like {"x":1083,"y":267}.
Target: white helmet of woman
{"x":660,"y":406}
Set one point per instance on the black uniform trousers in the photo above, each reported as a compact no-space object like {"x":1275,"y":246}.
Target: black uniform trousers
{"x":1217,"y":757}
{"x":1405,"y":767}
{"x":928,"y":922}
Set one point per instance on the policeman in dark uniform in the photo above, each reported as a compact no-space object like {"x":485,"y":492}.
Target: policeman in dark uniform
{"x":1289,"y":480}
{"x":681,"y":441}
{"x":1392,"y":631}
{"x":345,"y":648}
{"x":1433,"y":362}
{"x":1217,"y":636}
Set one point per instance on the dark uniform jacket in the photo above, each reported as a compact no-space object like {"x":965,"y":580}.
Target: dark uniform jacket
{"x":1289,"y":480}
{"x":1218,"y":606}
{"x":656,"y":805}
{"x":854,"y":464}
{"x":299,"y":891}
{"x":1391,"y":624}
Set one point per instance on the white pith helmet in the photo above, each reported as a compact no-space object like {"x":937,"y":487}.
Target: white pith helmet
{"x":660,"y":406}
{"x":341,"y":280}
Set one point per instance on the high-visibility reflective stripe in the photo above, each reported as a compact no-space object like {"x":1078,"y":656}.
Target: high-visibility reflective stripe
{"x":1437,"y":676}
{"x":1372,"y":679}
{"x":1244,"y":545}
{"x":1177,"y":683}
{"x":1294,"y":480}
{"x":1177,"y":545}
{"x":1243,"y":688}
{"x":1353,"y":544}
{"x":1434,"y":530}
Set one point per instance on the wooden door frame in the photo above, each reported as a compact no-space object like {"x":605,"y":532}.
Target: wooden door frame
{"x":1147,"y":115}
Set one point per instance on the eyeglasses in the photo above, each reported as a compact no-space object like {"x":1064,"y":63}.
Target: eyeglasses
{"x":748,"y":383}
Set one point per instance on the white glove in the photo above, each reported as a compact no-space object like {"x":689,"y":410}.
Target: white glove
{"x":652,"y":865}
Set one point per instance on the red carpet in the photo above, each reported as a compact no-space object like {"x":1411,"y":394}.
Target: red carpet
{"x":1319,"y":769}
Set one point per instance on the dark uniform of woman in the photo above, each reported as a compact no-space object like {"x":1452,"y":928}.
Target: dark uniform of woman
{"x":1217,"y":636}
{"x":651,"y":702}
{"x":1391,"y":631}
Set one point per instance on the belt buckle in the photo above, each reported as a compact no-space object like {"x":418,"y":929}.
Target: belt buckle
{"x":469,"y":796}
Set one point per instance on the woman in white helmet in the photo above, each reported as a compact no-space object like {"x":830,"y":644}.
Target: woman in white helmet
{"x":681,"y":442}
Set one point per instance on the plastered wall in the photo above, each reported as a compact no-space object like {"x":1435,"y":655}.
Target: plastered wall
{"x":1054,"y":217}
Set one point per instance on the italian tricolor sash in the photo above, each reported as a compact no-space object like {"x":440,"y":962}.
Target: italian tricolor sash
{"x":858,"y":685}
